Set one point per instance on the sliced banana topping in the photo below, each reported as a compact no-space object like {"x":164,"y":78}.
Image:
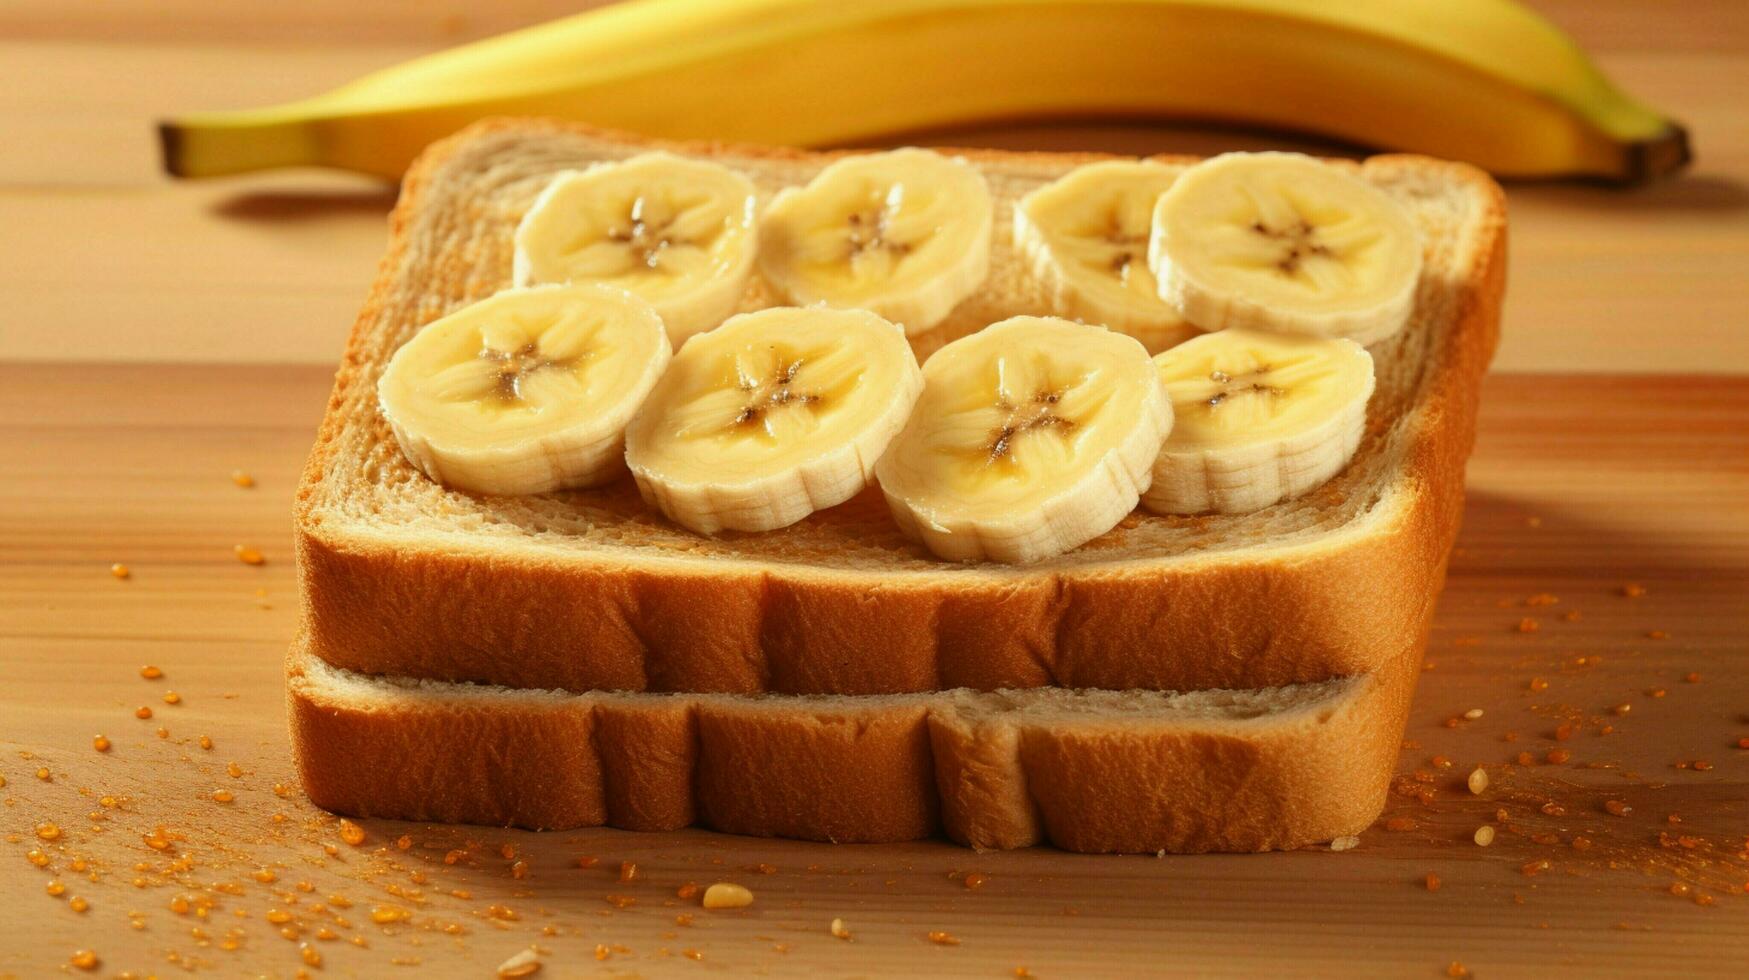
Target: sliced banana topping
{"x":1086,"y":237}
{"x":772,"y":416}
{"x":1261,"y":418}
{"x":905,"y":234}
{"x":1284,"y":242}
{"x":1032,"y":436}
{"x":676,"y":232}
{"x":526,"y":391}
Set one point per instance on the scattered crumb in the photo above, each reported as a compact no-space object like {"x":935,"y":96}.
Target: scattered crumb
{"x":1478,"y":781}
{"x":727,"y":895}
{"x":523,"y":964}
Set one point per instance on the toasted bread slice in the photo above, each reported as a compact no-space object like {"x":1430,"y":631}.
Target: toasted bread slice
{"x":1132,"y":771}
{"x":591,"y":590}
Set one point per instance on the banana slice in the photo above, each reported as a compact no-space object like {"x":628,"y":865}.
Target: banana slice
{"x":1086,"y":236}
{"x":1260,"y":418}
{"x":1032,"y":436}
{"x":772,"y":416}
{"x":1283,"y":242}
{"x":676,"y":232}
{"x":905,"y":234}
{"x":527,"y":391}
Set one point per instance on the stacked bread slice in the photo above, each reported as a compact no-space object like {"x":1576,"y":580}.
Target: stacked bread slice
{"x":1215,"y":682}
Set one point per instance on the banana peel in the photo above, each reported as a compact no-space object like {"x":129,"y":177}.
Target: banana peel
{"x":1487,"y":81}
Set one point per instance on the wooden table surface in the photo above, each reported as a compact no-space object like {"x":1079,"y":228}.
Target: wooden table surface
{"x":160,"y":336}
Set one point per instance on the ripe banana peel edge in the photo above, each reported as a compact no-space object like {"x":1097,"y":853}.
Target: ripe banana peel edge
{"x":1487,"y":81}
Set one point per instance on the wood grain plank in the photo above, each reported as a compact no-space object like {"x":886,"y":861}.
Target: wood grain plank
{"x":1579,"y":487}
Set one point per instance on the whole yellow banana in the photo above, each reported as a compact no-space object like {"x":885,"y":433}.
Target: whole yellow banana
{"x":1487,"y":81}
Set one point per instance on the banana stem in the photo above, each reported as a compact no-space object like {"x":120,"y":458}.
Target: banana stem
{"x":237,"y":143}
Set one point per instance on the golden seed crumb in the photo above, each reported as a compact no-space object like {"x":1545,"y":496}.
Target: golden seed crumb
{"x":248,"y":555}
{"x":1345,"y":843}
{"x":143,"y":712}
{"x":1457,"y":969}
{"x":839,"y":929}
{"x":119,"y":570}
{"x":941,"y":938}
{"x":171,"y":697}
{"x":162,"y":732}
{"x":222,"y":796}
{"x":48,"y":831}
{"x":1633,"y":590}
{"x":1472,"y":714}
{"x":234,"y":769}
{"x":351,"y":832}
{"x":150,"y":672}
{"x":727,"y":895}
{"x":382,"y":914}
{"x":975,"y":880}
{"x":100,"y":743}
{"x":1484,"y":835}
{"x":84,"y":959}
{"x":1538,"y":685}
{"x":1528,"y":625}
{"x":242,"y":479}
{"x":1432,"y":882}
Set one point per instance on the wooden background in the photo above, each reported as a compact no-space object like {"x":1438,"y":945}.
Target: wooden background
{"x":157,"y":337}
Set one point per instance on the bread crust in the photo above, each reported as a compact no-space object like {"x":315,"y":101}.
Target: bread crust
{"x":982,"y":771}
{"x":483,"y":610}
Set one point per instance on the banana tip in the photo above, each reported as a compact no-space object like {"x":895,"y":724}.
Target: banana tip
{"x":170,"y":145}
{"x":1660,"y":156}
